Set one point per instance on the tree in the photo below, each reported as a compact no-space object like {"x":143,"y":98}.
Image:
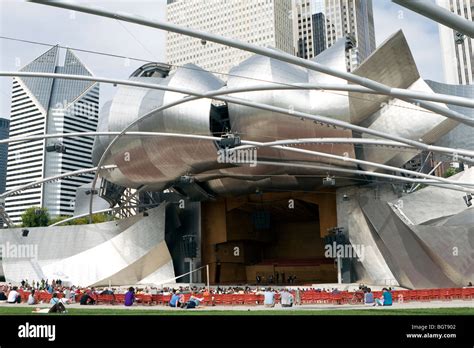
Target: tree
{"x":96,"y":218}
{"x":35,"y":217}
{"x":450,"y":172}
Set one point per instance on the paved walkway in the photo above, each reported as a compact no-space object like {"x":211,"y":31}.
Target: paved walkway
{"x":413,"y":305}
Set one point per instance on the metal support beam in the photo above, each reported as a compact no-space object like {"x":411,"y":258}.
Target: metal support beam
{"x":53,"y":178}
{"x":441,"y":15}
{"x":272,"y":53}
{"x":219,"y":95}
{"x":399,"y":93}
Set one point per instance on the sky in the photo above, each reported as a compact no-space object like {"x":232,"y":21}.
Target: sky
{"x":34,"y":22}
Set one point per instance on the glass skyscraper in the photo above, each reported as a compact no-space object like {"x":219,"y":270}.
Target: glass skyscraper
{"x":265,"y":23}
{"x":318,"y":24}
{"x":46,"y":105}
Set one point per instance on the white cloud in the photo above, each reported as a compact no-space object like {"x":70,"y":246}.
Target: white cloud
{"x":421,"y":33}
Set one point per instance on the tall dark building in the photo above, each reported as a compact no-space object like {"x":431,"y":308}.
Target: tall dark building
{"x":319,"y":33}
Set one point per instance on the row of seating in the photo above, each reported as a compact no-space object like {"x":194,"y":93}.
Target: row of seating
{"x":306,"y":297}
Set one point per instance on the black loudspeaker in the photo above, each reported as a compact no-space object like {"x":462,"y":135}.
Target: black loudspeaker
{"x":24,"y":233}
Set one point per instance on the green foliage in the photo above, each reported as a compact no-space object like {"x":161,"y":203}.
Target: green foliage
{"x":450,"y":172}
{"x":35,"y":217}
{"x":96,"y":218}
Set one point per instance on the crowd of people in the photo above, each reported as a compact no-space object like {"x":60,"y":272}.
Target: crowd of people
{"x":62,"y":295}
{"x":276,"y":278}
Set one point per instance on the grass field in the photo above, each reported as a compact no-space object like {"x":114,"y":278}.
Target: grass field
{"x":116,"y":311}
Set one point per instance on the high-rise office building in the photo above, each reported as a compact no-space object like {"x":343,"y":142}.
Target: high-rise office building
{"x":261,"y":22}
{"x":457,"y":49}
{"x":46,"y":105}
{"x":4,"y":126}
{"x":318,"y":24}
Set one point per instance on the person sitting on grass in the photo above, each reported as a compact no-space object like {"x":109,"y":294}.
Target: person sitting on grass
{"x":130,"y":297}
{"x":286,"y":298}
{"x":86,"y":299}
{"x":369,"y":297}
{"x":193,"y":302}
{"x":14,"y":296}
{"x":269,"y":298}
{"x":31,"y":297}
{"x":176,"y":299}
{"x":54,"y":299}
{"x":386,"y":299}
{"x":3,"y":297}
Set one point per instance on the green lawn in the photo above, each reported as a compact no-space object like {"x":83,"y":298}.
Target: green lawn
{"x":117,"y":311}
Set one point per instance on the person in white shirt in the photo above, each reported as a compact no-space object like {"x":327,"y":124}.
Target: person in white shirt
{"x":269,"y":298}
{"x":31,"y":297}
{"x":14,"y":296}
{"x":286,"y":298}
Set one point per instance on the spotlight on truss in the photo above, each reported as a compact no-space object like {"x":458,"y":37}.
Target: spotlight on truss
{"x":229,"y":140}
{"x":329,"y":181}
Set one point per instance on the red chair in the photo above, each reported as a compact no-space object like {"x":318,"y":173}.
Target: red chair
{"x":314,"y":297}
{"x":423,"y":295}
{"x":239,"y":299}
{"x":24,"y":295}
{"x":157,"y":299}
{"x":144,"y":298}
{"x":208,"y":300}
{"x":306,"y":297}
{"x":120,"y":298}
{"x":412,"y":295}
{"x":457,"y":293}
{"x":445,"y":295}
{"x":45,"y":297}
{"x":324,"y":297}
{"x":218,"y":299}
{"x":435,"y":294}
{"x":336,"y":298}
{"x":108,"y":299}
{"x":250,"y":299}
{"x":227,"y":299}
{"x":467,"y":293}
{"x":346,"y":296}
{"x":166,"y":299}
